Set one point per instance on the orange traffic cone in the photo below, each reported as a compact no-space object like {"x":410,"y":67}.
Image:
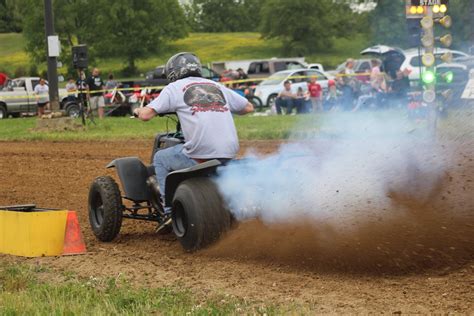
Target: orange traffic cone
{"x":73,"y":241}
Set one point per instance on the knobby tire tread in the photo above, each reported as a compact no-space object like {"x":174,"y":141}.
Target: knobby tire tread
{"x":111,"y":199}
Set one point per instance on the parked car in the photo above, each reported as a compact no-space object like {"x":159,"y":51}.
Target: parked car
{"x":316,"y":66}
{"x":18,"y":98}
{"x":268,"y":89}
{"x":265,"y":68}
{"x":259,"y":67}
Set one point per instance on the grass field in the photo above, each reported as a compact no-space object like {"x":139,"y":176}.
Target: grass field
{"x":35,"y":290}
{"x":458,"y":124}
{"x":208,"y":46}
{"x":249,"y":127}
{"x":12,"y":52}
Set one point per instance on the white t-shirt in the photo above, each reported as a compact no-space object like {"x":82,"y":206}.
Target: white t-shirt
{"x":42,"y":91}
{"x":205,"y":109}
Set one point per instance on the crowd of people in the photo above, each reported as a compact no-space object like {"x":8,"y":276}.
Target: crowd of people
{"x":347,"y":92}
{"x":88,"y":90}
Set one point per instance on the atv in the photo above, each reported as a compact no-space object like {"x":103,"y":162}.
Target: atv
{"x":199,"y":215}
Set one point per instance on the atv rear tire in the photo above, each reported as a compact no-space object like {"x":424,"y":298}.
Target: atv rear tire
{"x":199,"y":214}
{"x":105,"y":208}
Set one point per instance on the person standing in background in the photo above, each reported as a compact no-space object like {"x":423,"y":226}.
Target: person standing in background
{"x":95,"y":87}
{"x":111,"y":84}
{"x":42,"y":96}
{"x":347,"y":84}
{"x":3,"y":80}
{"x":315,"y":94}
{"x":71,"y":89}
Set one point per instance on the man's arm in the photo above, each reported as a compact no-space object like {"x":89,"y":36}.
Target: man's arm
{"x":248,"y":109}
{"x":144,"y":113}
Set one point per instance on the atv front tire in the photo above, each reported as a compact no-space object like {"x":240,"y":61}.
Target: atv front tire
{"x":105,"y":208}
{"x":199,"y":214}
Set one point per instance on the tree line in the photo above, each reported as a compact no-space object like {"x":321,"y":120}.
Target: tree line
{"x":135,"y":29}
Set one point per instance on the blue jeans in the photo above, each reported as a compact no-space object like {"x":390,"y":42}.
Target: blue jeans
{"x":284,"y":103}
{"x":170,"y":159}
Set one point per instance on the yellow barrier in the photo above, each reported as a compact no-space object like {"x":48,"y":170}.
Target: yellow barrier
{"x":32,"y":234}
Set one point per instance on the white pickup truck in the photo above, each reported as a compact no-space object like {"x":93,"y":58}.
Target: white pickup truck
{"x":18,"y":98}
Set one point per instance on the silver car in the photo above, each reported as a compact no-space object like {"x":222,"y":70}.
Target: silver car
{"x":269,"y":88}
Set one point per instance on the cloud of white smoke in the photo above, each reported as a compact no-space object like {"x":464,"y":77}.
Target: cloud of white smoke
{"x":352,"y":164}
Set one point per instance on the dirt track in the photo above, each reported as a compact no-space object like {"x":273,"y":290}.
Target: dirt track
{"x":255,"y":262}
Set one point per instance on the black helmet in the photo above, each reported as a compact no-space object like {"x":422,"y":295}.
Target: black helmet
{"x":183,"y":65}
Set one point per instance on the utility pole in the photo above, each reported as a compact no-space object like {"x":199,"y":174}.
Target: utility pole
{"x":53,"y":52}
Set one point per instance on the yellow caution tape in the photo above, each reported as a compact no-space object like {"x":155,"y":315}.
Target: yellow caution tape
{"x":133,"y":89}
{"x":230,"y":82}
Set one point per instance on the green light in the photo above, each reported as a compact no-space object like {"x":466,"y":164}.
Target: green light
{"x":449,"y":76}
{"x":428,"y":77}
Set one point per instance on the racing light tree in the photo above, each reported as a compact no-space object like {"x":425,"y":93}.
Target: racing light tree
{"x":429,"y":12}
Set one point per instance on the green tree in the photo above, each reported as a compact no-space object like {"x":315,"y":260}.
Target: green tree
{"x":140,"y":28}
{"x":125,"y":29}
{"x":463,"y":23}
{"x":223,"y":15}
{"x":9,"y":20}
{"x":306,"y":26}
{"x":388,"y":23}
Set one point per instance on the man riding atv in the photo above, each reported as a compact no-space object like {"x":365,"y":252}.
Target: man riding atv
{"x":204,"y":108}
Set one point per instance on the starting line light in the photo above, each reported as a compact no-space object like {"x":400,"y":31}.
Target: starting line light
{"x":446,"y":21}
{"x":428,"y":77}
{"x":427,"y":40}
{"x":446,"y":40}
{"x":428,"y":59}
{"x":426,"y":22}
{"x":429,"y":96}
{"x":447,"y":57}
{"x":416,"y":10}
{"x":448,"y":76}
{"x":440,"y":8}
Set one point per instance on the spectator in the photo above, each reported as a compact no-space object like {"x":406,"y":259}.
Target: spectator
{"x":377,"y":78}
{"x":3,"y":80}
{"x":111,"y":84}
{"x":332,"y":98}
{"x":95,"y":87}
{"x":400,"y":87}
{"x":347,"y":83}
{"x":71,"y":89}
{"x":286,"y":99}
{"x":315,"y":93}
{"x":42,"y":96}
{"x":242,"y":74}
{"x":302,"y":101}
{"x":375,"y":92}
